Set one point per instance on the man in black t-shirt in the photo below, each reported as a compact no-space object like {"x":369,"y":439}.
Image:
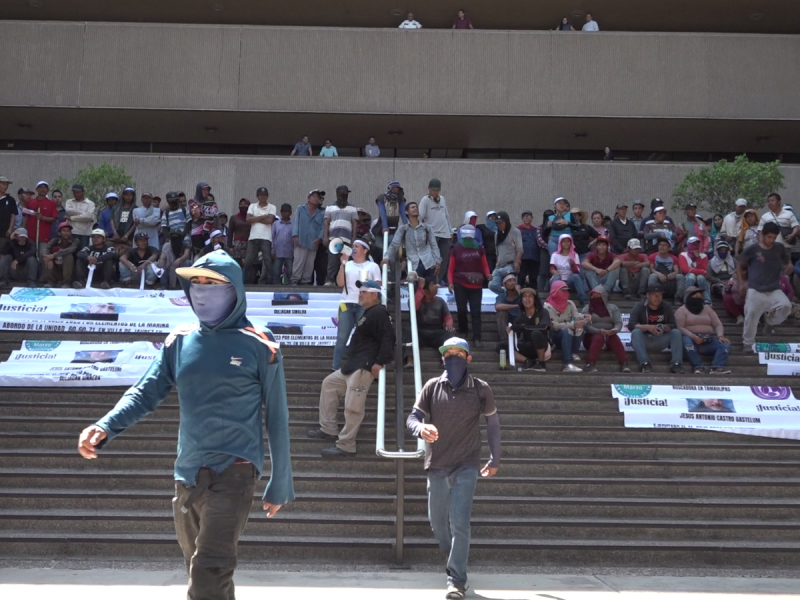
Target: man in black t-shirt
{"x":8,"y":211}
{"x":137,"y":261}
{"x":652,"y":327}
{"x":434,"y":321}
{"x":761,"y":265}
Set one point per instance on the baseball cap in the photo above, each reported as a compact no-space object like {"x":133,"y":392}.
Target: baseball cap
{"x":722,"y":243}
{"x":657,"y":201}
{"x":490,"y":213}
{"x":262,"y":190}
{"x":557,"y":200}
{"x":634,"y":243}
{"x":214,"y":233}
{"x":368,"y":286}
{"x":690,"y":205}
{"x":5,"y":180}
{"x":435,"y":184}
{"x":527,"y":212}
{"x":603,"y":239}
{"x":129,"y":189}
{"x":21,"y":232}
{"x":64,"y":224}
{"x":42,"y":183}
{"x":470,"y":214}
{"x":172,"y":196}
{"x":509,"y":276}
{"x":317,"y":191}
{"x":622,"y":205}
{"x":638,"y":203}
{"x":112,"y":195}
{"x":200,"y":271}
{"x":343,"y":189}
{"x":528,"y":290}
{"x":77,"y":187}
{"x":467,"y":231}
{"x":741,"y":202}
{"x":141,"y":236}
{"x":658,"y":208}
{"x":693,"y":239}
{"x":655,"y":288}
{"x":98,"y":231}
{"x":146,"y":194}
{"x":455,"y":342}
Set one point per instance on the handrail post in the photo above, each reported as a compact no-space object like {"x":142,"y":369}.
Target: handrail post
{"x":412,"y":318}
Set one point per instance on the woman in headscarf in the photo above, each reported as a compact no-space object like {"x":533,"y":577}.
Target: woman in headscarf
{"x":530,"y":333}
{"x":565,"y":266}
{"x":748,"y":236}
{"x":602,"y":331}
{"x":239,"y":232}
{"x":703,"y":334}
{"x":693,"y":263}
{"x":466,"y":274}
{"x":721,"y":268}
{"x":566,"y":325}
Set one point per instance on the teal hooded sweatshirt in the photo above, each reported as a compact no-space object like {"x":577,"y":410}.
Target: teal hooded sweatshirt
{"x":229,"y":378}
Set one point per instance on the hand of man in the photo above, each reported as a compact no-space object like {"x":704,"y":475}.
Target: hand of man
{"x":724,"y":340}
{"x":450,"y":287}
{"x":488,"y":470}
{"x":375,"y":370}
{"x":697,"y":340}
{"x":661,"y":277}
{"x":325,"y":240}
{"x":429,"y":433}
{"x":316,"y":242}
{"x":450,"y":329}
{"x":602,"y":273}
{"x":437,"y":270}
{"x":671,"y":276}
{"x":176,"y":263}
{"x":605,"y":332}
{"x":89,"y":439}
{"x":14,"y":264}
{"x":385,"y":261}
{"x":92,"y":260}
{"x":517,"y":267}
{"x":271,"y":509}
{"x":48,"y":257}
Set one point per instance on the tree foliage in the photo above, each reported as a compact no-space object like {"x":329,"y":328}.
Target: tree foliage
{"x":716,"y":188}
{"x":97,"y":182}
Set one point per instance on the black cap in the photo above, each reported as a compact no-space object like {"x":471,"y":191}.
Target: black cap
{"x":622,"y":205}
{"x":21,"y":191}
{"x":657,"y":201}
{"x":77,"y":187}
{"x":286,"y":206}
{"x":141,"y":236}
{"x":527,"y":212}
{"x":172,"y":196}
{"x":638,"y":203}
{"x":262,"y":190}
{"x":690,"y":205}
{"x":343,"y":189}
{"x":655,"y":288}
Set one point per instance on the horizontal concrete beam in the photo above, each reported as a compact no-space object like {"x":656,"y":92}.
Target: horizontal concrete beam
{"x":382,"y":71}
{"x":466,"y":184}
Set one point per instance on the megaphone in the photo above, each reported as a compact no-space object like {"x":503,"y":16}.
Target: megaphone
{"x":338,"y":245}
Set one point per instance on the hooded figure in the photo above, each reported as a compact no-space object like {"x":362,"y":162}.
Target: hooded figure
{"x":502,"y":234}
{"x":471,"y":218}
{"x":123,"y":215}
{"x":602,"y":330}
{"x":230,"y":381}
{"x":205,"y":215}
{"x":391,"y":207}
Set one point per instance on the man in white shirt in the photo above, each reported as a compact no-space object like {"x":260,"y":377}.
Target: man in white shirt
{"x":591,"y":24}
{"x":80,"y":214}
{"x":410,"y":23}
{"x":148,"y":220}
{"x":433,"y":212}
{"x":260,"y":217}
{"x":732,"y":223}
{"x":784,"y":218}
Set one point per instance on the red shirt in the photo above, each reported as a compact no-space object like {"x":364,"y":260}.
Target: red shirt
{"x":464,"y":23}
{"x":601,"y":263}
{"x":45,"y":207}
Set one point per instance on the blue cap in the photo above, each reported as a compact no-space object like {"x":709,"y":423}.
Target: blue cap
{"x":369,"y":286}
{"x":455,"y":342}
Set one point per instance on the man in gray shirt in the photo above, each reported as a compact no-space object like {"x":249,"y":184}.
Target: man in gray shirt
{"x":371,"y":150}
{"x":433,"y":212}
{"x":422,"y":251}
{"x":508,"y":241}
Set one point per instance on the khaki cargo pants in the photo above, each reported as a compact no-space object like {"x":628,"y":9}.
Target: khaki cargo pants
{"x":354,"y":389}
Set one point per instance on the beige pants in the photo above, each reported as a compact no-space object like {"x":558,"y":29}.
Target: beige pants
{"x":354,"y":388}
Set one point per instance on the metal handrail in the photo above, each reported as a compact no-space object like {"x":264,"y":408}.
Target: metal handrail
{"x":412,"y":316}
{"x":380,"y":436}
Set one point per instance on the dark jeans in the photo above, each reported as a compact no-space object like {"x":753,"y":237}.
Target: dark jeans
{"x":568,"y":343}
{"x":253,"y":248}
{"x":473,"y":297}
{"x":26,"y":270}
{"x":321,"y":265}
{"x":104,"y":270}
{"x":334,"y":263}
{"x":444,"y":251}
{"x":208,"y":532}
{"x":529,"y":269}
{"x":544,"y":271}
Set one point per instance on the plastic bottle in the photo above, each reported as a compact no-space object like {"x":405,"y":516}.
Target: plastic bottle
{"x":503,"y":362}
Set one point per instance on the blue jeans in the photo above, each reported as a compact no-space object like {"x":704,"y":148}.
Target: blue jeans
{"x":496,"y":284}
{"x":450,"y":496}
{"x":576,"y":284}
{"x":608,"y":281}
{"x":569,"y":344}
{"x":126,"y":274}
{"x":693,"y":352}
{"x":278,"y":266}
{"x":347,"y":322}
{"x":699,"y":281}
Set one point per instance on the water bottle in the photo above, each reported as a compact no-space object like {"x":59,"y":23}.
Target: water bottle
{"x":578,"y":330}
{"x":503,"y":363}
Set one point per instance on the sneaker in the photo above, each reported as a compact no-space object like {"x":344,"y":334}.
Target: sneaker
{"x":646,"y":367}
{"x":676,"y":368}
{"x":328,"y":284}
{"x":526,"y":366}
{"x":538,"y":367}
{"x":624,"y":368}
{"x":570,"y":368}
{"x":699,"y":370}
{"x":318,"y":434}
{"x":740,"y":320}
{"x":720,"y":370}
{"x":455,"y":592}
{"x":336,"y":452}
{"x":32,"y":283}
{"x":77,"y":285}
{"x":66,"y":285}
{"x":589,"y":368}
{"x":47,"y":285}
{"x":576,"y":358}
{"x":626,"y":296}
{"x":105,"y":286}
{"x":751,"y":349}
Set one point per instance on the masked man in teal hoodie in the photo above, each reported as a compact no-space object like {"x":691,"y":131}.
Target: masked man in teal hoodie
{"x":227,"y":372}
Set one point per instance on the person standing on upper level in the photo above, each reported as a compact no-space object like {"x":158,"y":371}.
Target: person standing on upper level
{"x":371,"y":150}
{"x":591,"y":24}
{"x":433,"y":212}
{"x":328,"y":150}
{"x":462,"y":21}
{"x":410,"y":23}
{"x":302,"y":148}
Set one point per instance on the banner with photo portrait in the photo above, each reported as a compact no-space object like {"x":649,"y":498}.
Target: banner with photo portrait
{"x":755,"y":410}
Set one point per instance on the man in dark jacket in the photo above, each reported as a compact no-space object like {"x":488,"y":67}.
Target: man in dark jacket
{"x":371,"y":347}
{"x":59,"y":257}
{"x":652,"y":326}
{"x":99,"y":253}
{"x":230,"y":383}
{"x":487,"y":232}
{"x":18,"y":259}
{"x":622,"y":230}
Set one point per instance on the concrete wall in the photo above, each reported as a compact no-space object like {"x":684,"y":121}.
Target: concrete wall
{"x":466,"y":184}
{"x":383,"y":71}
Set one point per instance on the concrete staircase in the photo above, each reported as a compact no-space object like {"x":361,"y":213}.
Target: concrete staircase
{"x":575,"y":486}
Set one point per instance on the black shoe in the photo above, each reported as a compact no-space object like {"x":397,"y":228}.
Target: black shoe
{"x":539,"y":367}
{"x":646,"y":367}
{"x":477,"y":344}
{"x":527,"y":365}
{"x":720,"y":370}
{"x":589,"y":368}
{"x":676,"y":368}
{"x":624,"y":368}
{"x":336,"y":452}
{"x":699,"y":370}
{"x":318,"y":434}
{"x":626,"y":296}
